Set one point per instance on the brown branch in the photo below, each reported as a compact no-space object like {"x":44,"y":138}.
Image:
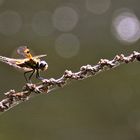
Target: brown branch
{"x":13,"y":98}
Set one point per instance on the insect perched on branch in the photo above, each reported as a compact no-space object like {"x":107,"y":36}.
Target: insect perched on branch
{"x":29,"y":63}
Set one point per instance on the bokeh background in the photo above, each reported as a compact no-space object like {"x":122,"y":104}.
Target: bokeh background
{"x":73,"y":33}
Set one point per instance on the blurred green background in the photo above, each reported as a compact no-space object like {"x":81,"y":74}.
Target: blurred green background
{"x":73,"y":33}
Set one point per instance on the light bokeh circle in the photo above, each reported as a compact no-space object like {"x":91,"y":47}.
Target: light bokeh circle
{"x":67,"y":45}
{"x":98,"y":6}
{"x":10,"y":22}
{"x":65,"y":18}
{"x":126,"y":26}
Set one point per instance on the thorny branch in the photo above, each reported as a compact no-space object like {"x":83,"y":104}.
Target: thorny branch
{"x":13,"y":98}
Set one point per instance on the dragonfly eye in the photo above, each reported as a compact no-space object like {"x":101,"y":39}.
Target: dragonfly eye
{"x":43,"y":65}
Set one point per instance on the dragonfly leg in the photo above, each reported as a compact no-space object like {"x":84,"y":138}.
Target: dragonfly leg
{"x":38,"y":75}
{"x":25,"y":73}
{"x":31,"y":75}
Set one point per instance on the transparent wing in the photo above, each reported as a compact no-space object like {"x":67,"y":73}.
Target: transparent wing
{"x":21,"y":51}
{"x":39,"y":56}
{"x":14,"y":62}
{"x":24,"y":51}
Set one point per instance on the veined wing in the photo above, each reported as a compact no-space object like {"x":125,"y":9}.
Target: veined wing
{"x":14,"y":62}
{"x":24,"y":51}
{"x":39,"y":56}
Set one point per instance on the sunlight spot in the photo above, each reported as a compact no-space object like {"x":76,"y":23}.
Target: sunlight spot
{"x":126,"y":27}
{"x":65,"y":18}
{"x":10,"y":22}
{"x":67,"y":45}
{"x":98,"y":6}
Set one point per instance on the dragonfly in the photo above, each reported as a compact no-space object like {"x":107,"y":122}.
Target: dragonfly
{"x":29,"y":64}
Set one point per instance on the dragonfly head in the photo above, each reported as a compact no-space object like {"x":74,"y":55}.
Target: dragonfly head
{"x":43,"y":65}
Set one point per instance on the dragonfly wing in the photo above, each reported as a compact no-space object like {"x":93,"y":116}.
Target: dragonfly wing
{"x":14,"y":62}
{"x":21,"y":51}
{"x":24,"y":51}
{"x":39,"y":56}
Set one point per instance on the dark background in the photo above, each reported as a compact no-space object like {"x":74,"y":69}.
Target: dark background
{"x":73,"y":33}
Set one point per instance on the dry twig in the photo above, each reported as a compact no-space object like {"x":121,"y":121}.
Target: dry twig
{"x":13,"y":98}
